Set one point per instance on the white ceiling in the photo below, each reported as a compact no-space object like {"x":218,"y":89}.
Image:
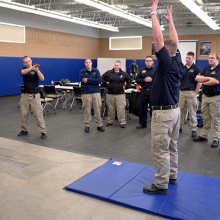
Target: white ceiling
{"x":182,"y":16}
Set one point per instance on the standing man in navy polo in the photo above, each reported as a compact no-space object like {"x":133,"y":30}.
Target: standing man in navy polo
{"x":165,"y":123}
{"x":30,"y":97}
{"x":210,"y":78}
{"x":90,"y":79}
{"x":189,"y":89}
{"x":145,"y":79}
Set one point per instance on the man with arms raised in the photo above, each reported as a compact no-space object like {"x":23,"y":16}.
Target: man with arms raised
{"x":210,"y":78}
{"x":165,"y":123}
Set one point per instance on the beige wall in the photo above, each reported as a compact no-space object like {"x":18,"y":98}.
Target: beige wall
{"x":51,"y":44}
{"x":147,"y":41}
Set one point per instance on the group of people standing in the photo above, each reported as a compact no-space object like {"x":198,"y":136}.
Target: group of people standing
{"x":115,"y":99}
{"x":167,"y":89}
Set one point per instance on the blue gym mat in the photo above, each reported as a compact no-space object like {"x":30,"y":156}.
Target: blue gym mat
{"x":121,"y":183}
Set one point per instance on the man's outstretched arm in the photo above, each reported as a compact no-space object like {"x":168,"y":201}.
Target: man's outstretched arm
{"x":158,"y":36}
{"x":173,"y":33}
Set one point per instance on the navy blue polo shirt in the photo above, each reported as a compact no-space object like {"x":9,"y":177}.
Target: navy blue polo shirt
{"x":165,"y":88}
{"x":31,"y":79}
{"x":143,"y":73}
{"x":188,"y":81}
{"x":93,"y":80}
{"x":215,"y":73}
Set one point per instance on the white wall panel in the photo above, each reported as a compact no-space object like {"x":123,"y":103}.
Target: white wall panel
{"x":41,"y":22}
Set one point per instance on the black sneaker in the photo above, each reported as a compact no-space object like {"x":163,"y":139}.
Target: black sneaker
{"x":200,"y":139}
{"x":43,"y":136}
{"x":215,"y":144}
{"x":140,"y":126}
{"x":152,"y":189}
{"x":87,"y":129}
{"x":22,"y":133}
{"x":108,"y":124}
{"x":194,"y":134}
{"x":122,"y":126}
{"x":173,"y":181}
{"x":181,"y":130}
{"x":100,"y":129}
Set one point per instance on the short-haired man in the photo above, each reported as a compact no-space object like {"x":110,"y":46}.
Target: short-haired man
{"x":165,"y":121}
{"x":90,"y":79}
{"x":189,"y":89}
{"x":210,"y":110}
{"x":115,"y":99}
{"x":145,"y":79}
{"x":30,"y":97}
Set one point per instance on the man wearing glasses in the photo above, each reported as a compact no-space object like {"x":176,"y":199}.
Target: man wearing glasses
{"x":145,"y":78}
{"x":210,"y":78}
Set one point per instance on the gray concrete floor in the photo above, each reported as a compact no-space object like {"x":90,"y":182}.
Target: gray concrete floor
{"x":66,"y":132}
{"x":33,"y":171}
{"x":32,"y":178}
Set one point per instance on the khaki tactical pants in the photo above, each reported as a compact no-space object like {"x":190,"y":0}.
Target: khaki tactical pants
{"x":116,"y":102}
{"x":165,"y":127}
{"x":189,"y":99}
{"x":210,"y":111}
{"x":33,"y":101}
{"x":89,"y":101}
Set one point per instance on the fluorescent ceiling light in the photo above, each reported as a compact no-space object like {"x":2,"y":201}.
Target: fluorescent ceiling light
{"x":200,"y":2}
{"x":51,"y":14}
{"x":116,"y":11}
{"x":194,"y":8}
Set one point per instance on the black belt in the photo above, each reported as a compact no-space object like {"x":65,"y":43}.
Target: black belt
{"x":33,"y":91}
{"x":165,"y":107}
{"x":213,"y":95}
{"x":145,"y":88}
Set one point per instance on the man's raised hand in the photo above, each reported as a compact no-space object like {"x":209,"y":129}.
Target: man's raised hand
{"x":168,"y":17}
{"x":154,"y":5}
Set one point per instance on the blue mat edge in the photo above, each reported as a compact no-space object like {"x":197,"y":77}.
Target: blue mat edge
{"x":123,"y":204}
{"x":132,"y":207}
{"x":85,"y":175}
{"x":166,"y":216}
{"x":119,"y":203}
{"x":111,"y":201}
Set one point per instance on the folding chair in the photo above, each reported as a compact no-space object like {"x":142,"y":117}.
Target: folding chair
{"x":77,"y":96}
{"x":65,"y":94}
{"x":46,"y":101}
{"x":103,"y":92}
{"x":52,"y":93}
{"x":127,"y":108}
{"x":59,"y":84}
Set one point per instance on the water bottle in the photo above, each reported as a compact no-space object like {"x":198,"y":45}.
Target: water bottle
{"x":52,"y":82}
